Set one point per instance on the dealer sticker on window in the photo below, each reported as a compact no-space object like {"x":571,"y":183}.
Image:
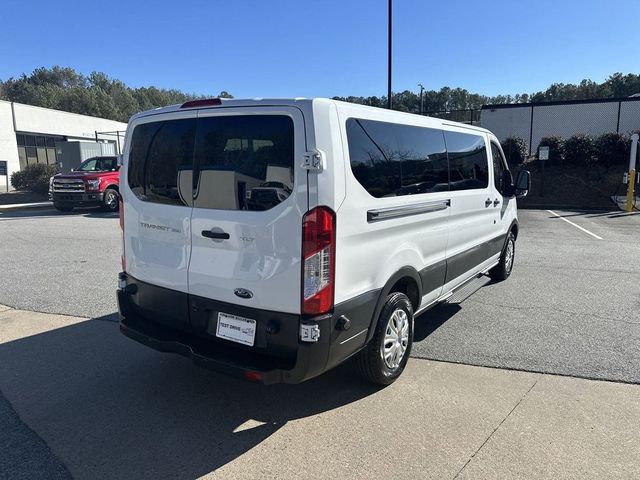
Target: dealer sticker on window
{"x":236,"y":329}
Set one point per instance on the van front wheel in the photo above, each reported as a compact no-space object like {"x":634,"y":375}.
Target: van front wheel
{"x":384,"y":358}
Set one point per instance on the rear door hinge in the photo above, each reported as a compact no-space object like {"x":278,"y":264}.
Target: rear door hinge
{"x":313,"y":161}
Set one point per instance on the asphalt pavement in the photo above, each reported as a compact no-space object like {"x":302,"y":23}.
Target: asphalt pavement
{"x":571,"y":306}
{"x":60,"y":262}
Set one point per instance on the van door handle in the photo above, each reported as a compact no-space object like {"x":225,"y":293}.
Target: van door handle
{"x":496,"y":202}
{"x":487,"y":202}
{"x":215,"y":235}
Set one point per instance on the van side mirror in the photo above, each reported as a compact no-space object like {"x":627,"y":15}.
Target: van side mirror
{"x":523,"y":183}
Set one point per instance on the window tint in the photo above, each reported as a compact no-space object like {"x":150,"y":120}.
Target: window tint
{"x":160,"y":152}
{"x":244,"y":162}
{"x":499,"y":168}
{"x":468,"y":166}
{"x":391,"y":159}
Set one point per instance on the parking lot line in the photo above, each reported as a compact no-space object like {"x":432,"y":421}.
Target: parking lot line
{"x":577,"y":226}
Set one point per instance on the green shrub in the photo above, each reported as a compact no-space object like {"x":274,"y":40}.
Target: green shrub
{"x":612,"y":149}
{"x":515,"y":149}
{"x":556,"y":149}
{"x":19,"y":180}
{"x":34,"y":178}
{"x":579,"y":150}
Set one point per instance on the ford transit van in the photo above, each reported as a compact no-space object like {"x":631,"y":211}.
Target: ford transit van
{"x":275,"y":239}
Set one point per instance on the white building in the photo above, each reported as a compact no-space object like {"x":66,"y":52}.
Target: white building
{"x":28,"y":134}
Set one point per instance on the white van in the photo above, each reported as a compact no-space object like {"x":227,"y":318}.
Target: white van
{"x":275,"y":239}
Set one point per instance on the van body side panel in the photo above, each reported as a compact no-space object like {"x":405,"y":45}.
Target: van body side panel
{"x":374,"y":249}
{"x":328,"y":187}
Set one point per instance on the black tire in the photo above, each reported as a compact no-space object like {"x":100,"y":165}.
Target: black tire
{"x":111,"y":200}
{"x":502,"y":271}
{"x":62,"y":208}
{"x":370,"y":361}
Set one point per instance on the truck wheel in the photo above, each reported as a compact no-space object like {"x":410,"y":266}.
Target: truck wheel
{"x":62,"y":208}
{"x":503,"y":269}
{"x":385,"y":356}
{"x":110,"y":200}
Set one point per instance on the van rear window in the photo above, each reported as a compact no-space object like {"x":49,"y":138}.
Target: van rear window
{"x":243,"y":162}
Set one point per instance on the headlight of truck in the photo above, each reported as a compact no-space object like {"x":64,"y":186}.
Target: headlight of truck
{"x":93,"y":184}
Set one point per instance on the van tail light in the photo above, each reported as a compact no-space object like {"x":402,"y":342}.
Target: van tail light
{"x":319,"y":258}
{"x":121,"y":216}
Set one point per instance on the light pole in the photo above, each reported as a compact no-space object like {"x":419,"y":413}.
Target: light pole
{"x":421,"y":99}
{"x":389,"y":103}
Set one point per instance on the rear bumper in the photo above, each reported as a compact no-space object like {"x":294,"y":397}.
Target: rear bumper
{"x":77,"y":198}
{"x":278,"y":357}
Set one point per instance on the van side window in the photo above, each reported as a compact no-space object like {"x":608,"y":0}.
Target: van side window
{"x":390,"y":159}
{"x":244,"y":162}
{"x":468,"y":165}
{"x":159,"y":152}
{"x":499,"y":168}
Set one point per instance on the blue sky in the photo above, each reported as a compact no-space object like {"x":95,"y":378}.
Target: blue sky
{"x":324,"y":47}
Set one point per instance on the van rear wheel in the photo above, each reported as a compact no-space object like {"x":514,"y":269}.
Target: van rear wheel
{"x":384,"y":358}
{"x":503,"y":269}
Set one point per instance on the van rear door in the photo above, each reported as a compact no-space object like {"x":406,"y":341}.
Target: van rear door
{"x":250,"y":193}
{"x":156,"y":188}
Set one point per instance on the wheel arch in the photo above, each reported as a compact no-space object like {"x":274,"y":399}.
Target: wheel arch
{"x":407,"y":281}
{"x":515,"y":228}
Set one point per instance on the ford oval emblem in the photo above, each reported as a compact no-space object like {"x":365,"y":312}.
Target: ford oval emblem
{"x":243,"y":293}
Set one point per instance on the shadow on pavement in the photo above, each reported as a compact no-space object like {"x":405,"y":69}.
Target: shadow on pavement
{"x":52,"y":213}
{"x":109,"y":407}
{"x":428,"y":322}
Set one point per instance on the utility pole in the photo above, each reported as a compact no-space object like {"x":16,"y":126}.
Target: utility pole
{"x":421,"y":99}
{"x":389,"y":102}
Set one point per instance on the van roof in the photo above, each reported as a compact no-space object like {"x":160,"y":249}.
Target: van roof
{"x":299,"y":102}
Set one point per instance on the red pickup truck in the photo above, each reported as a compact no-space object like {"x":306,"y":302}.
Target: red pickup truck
{"x":94,"y":183}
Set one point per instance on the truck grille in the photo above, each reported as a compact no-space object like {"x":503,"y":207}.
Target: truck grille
{"x":68,"y":185}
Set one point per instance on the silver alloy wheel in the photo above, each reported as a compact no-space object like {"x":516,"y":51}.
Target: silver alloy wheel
{"x":396,"y":339}
{"x":508,"y":256}
{"x":111,"y":199}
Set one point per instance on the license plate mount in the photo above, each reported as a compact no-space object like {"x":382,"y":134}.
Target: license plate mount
{"x":236,"y":329}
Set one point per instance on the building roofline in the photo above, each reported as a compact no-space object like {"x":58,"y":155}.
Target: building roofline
{"x":498,"y":106}
{"x":63,"y":111}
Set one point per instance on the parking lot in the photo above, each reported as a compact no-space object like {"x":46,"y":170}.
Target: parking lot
{"x":77,"y":398}
{"x":570,"y":306}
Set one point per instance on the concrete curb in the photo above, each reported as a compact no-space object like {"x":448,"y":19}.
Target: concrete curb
{"x":25,"y":206}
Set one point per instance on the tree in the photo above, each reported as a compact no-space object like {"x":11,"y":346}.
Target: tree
{"x":97,"y":94}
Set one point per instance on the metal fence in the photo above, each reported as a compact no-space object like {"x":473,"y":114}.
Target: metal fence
{"x":470,"y":117}
{"x":534,"y":121}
